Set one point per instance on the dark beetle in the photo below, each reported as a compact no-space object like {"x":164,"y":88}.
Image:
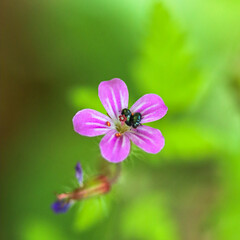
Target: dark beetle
{"x":136,"y":119}
{"x":132,"y":119}
{"x":127,"y":113}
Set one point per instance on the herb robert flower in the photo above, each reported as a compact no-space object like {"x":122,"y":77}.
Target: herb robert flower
{"x":122,"y":125}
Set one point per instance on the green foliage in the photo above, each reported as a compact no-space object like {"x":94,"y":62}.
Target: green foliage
{"x":165,"y":66}
{"x":66,"y":48}
{"x":85,"y":97}
{"x":218,"y":114}
{"x":147,"y":218}
{"x":185,"y":140}
{"x":90,"y":212}
{"x":38,"y":229}
{"x":226,"y":219}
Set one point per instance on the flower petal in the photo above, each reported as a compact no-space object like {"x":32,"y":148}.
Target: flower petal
{"x":114,"y":149}
{"x":89,"y":122}
{"x":79,"y":173}
{"x":151,"y":106}
{"x":147,"y":138}
{"x":114,"y":96}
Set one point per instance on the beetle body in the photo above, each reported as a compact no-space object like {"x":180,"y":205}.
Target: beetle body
{"x":136,"y":119}
{"x":132,"y":119}
{"x":127,"y":113}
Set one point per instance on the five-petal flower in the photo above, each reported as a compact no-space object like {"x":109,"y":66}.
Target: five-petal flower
{"x":115,"y":145}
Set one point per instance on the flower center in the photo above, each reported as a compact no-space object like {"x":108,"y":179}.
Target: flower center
{"x":121,"y":127}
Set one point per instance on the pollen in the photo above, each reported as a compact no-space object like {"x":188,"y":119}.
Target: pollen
{"x":118,"y":134}
{"x":132,"y":114}
{"x":108,"y":124}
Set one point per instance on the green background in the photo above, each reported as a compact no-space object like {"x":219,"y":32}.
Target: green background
{"x":53,"y":56}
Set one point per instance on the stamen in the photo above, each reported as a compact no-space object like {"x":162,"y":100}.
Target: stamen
{"x":108,"y":124}
{"x":118,"y":134}
{"x":132,"y":114}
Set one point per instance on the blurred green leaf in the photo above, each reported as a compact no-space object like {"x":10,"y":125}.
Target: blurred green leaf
{"x":38,"y":229}
{"x":227,"y":217}
{"x":91,"y":212}
{"x":185,"y":140}
{"x":218,"y":113}
{"x":165,"y":66}
{"x":210,"y":27}
{"x":85,"y":97}
{"x":147,"y":218}
{"x":228,"y":225}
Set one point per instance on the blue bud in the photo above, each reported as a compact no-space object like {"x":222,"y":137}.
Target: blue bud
{"x":79,"y":173}
{"x":61,"y":206}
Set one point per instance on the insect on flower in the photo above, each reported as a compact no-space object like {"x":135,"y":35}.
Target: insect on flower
{"x":93,"y":187}
{"x":131,"y":119}
{"x":123,"y":124}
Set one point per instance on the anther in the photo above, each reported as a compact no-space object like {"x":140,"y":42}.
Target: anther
{"x":118,"y":134}
{"x":122,"y":118}
{"x":108,"y":124}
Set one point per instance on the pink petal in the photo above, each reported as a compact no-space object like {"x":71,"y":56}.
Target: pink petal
{"x":147,"y":138}
{"x":89,"y":122}
{"x":151,"y":106}
{"x":114,"y":149}
{"x":114,"y":96}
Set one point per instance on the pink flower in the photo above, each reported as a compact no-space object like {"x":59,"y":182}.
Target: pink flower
{"x":115,"y":145}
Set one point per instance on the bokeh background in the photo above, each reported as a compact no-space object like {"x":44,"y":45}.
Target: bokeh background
{"x":53,"y":56}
